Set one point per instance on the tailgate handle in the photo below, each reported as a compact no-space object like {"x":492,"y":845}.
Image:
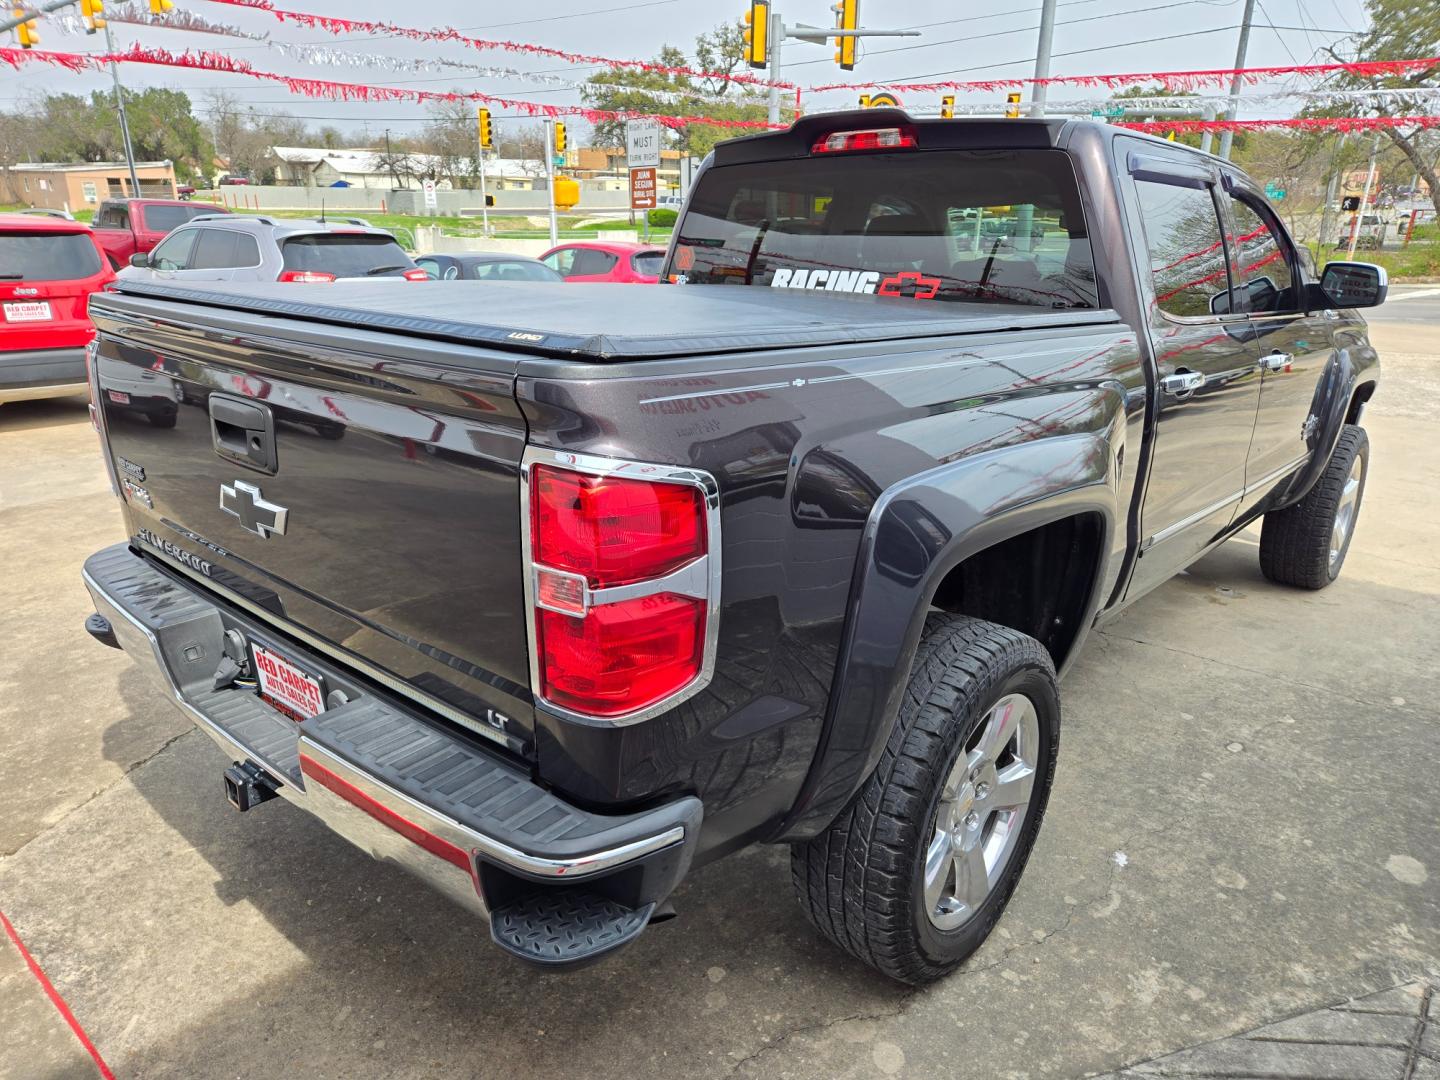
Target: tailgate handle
{"x":244,"y":432}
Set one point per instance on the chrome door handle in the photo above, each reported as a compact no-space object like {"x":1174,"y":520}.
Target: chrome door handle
{"x":1182,"y":382}
{"x":1276,"y":361}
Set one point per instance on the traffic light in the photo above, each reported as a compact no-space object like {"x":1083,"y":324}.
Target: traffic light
{"x":847,"y":17}
{"x":1012,"y":104}
{"x":864,"y":101}
{"x":160,"y":7}
{"x":487,"y":131}
{"x":757,"y":33}
{"x":26,"y":30}
{"x":947,"y":107}
{"x":559,"y":137}
{"x":93,"y":14}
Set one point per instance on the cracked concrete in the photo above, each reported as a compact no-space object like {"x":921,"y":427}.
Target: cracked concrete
{"x":1243,"y":830}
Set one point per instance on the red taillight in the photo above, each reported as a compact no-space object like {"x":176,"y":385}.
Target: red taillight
{"x":415,"y":275}
{"x":621,"y":657}
{"x":613,"y":531}
{"x":306,"y":275}
{"x":841,"y":142}
{"x":621,"y":587}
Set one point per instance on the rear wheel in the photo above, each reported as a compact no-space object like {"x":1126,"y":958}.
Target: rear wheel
{"x":1305,"y":545}
{"x":914,"y":874}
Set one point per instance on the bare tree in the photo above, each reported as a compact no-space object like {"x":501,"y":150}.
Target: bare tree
{"x":526,"y":145}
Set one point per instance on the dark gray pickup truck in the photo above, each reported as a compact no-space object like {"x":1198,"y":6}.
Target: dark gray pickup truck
{"x":553,"y":595}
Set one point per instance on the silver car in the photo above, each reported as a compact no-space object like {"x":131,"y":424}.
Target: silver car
{"x":237,"y":247}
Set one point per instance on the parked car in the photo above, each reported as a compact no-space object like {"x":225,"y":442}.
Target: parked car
{"x":485,"y":266}
{"x":241,"y":247}
{"x":790,"y":552}
{"x":234,"y":181}
{"x":125,"y":227}
{"x":600,"y":260}
{"x":184,"y":192}
{"x":49,"y":266}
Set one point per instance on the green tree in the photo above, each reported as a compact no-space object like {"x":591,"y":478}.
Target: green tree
{"x":718,"y":50}
{"x":1397,"y":29}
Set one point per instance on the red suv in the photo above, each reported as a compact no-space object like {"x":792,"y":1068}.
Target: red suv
{"x":48,"y":269}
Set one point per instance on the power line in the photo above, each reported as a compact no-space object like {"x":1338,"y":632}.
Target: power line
{"x":1276,"y":31}
{"x":1022,"y":29}
{"x":1071,"y":52}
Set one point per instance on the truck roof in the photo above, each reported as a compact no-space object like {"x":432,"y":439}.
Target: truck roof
{"x":600,"y":321}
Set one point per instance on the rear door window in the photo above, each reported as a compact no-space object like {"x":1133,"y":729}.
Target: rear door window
{"x":40,"y":256}
{"x":220,"y":249}
{"x":1187,"y":255}
{"x":165,"y":218}
{"x":591,"y":263}
{"x":347,"y":255}
{"x":950,"y":225}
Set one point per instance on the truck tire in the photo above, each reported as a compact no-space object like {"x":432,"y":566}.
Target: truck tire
{"x":1304,"y":545}
{"x":961,"y":787}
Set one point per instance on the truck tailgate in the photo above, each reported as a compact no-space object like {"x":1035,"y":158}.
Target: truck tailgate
{"x":364,"y":500}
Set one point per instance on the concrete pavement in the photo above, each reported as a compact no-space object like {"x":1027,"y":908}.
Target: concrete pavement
{"x":1243,"y":829}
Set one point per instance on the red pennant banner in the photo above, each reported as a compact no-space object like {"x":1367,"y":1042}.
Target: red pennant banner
{"x":1170,"y":80}
{"x":332,"y":25}
{"x":341,"y":91}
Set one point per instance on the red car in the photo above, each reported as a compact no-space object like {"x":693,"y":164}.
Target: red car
{"x":598,"y":260}
{"x":126,"y":227}
{"x":48,"y":269}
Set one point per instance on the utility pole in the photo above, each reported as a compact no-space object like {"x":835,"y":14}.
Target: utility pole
{"x":1227,"y":137}
{"x":550,"y":180}
{"x":1332,"y":189}
{"x":1364,"y":199}
{"x":1042,"y":58}
{"x":124,"y":121}
{"x":777,"y":36}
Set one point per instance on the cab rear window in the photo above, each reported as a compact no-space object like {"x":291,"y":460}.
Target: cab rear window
{"x":347,"y":255}
{"x":648,"y":262}
{"x":994,"y":226}
{"x":39,"y":256}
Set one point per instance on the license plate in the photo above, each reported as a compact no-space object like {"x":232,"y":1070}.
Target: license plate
{"x":294,"y":692}
{"x":118,"y":396}
{"x":29,"y":311}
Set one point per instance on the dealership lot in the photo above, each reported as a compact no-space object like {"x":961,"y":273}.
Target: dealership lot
{"x":1243,"y":828}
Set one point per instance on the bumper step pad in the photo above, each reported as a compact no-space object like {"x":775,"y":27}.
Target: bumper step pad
{"x":565,"y":926}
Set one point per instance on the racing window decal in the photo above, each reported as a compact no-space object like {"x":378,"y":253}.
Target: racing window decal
{"x":847,"y":281}
{"x":911,"y":284}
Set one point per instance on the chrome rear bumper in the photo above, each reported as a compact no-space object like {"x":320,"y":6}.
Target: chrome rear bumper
{"x":403,"y":787}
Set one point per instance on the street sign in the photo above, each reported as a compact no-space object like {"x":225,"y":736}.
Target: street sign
{"x":428,"y":186}
{"x":1274,"y":192}
{"x":642,"y":189}
{"x":642,"y":144}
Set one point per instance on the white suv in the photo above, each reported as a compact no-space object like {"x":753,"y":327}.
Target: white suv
{"x":236,"y":247}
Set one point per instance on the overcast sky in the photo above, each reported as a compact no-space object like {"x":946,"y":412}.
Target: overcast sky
{"x":995,"y":38}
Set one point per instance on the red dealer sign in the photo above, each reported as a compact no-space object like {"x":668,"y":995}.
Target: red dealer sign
{"x":642,"y":189}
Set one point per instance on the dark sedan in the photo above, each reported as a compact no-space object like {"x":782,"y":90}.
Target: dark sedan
{"x":485,"y":266}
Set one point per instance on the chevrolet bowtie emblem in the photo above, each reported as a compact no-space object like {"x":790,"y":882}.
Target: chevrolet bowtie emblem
{"x":244,"y":501}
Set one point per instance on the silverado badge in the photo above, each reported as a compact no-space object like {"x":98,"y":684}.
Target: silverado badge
{"x":244,"y":501}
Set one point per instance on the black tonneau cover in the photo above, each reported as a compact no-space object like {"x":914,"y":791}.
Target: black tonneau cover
{"x":614,"y":322}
